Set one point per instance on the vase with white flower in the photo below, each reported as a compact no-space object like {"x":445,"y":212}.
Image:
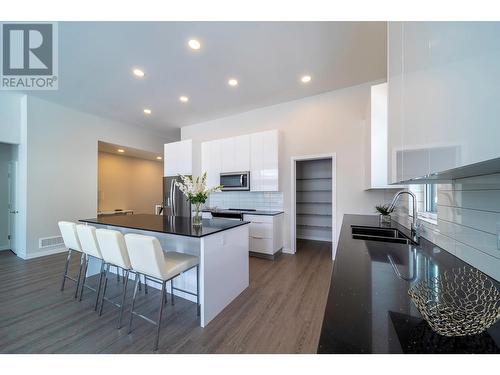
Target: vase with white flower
{"x":196,"y":192}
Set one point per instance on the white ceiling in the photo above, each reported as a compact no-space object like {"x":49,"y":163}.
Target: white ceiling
{"x":268,"y":58}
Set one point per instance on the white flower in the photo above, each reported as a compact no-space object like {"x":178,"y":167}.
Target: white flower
{"x":195,"y":189}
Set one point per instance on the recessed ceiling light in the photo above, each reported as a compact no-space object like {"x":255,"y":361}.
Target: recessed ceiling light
{"x":138,"y":72}
{"x":158,"y":157}
{"x":147,"y":111}
{"x":120,"y":150}
{"x":194,"y":44}
{"x":184,"y":99}
{"x":306,"y":79}
{"x":232,"y":82}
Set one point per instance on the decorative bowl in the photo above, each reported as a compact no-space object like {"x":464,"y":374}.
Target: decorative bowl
{"x":459,"y":302}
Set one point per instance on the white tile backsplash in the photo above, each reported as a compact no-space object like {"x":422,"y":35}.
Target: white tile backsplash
{"x":468,"y":221}
{"x":270,"y":201}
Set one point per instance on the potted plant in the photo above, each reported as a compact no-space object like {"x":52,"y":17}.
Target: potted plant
{"x":385,"y":213}
{"x":196,"y":192}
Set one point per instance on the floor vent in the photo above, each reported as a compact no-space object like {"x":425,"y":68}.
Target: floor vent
{"x":50,"y":242}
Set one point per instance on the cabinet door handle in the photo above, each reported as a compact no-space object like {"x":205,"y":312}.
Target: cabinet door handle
{"x":257,"y":237}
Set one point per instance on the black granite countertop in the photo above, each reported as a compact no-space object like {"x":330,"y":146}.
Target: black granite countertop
{"x":177,"y":225}
{"x":368,"y":308}
{"x":244,"y":212}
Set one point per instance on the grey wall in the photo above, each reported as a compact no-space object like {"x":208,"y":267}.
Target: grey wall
{"x":62,"y":164}
{"x":468,"y":221}
{"x":328,"y":123}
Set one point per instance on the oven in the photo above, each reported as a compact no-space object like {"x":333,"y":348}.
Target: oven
{"x":238,"y":181}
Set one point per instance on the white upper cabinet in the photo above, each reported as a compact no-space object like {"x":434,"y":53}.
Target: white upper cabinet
{"x":264,"y":151}
{"x":178,"y":158}
{"x":235,"y":154}
{"x":241,"y":153}
{"x":376,"y":166}
{"x":257,"y":153}
{"x":394,"y":102}
{"x":211,"y":161}
{"x":444,"y":86}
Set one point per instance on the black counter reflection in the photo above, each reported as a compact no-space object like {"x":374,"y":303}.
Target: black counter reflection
{"x":416,"y":336}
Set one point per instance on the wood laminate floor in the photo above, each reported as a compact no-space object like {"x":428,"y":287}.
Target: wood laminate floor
{"x":280,"y":312}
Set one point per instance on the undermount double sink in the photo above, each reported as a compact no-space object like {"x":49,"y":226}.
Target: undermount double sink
{"x":380,"y":234}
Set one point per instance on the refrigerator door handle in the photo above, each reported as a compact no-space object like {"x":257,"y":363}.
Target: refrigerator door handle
{"x":172,"y":196}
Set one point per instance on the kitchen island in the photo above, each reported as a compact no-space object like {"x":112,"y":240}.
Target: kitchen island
{"x":221,"y":245}
{"x":369,"y":309}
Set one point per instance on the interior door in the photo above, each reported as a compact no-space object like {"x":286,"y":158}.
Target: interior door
{"x":13,"y":212}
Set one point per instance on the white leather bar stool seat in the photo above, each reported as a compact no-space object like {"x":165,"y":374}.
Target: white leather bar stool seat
{"x":72,"y":243}
{"x":114,"y":253}
{"x":176,"y":263}
{"x":148,"y":258}
{"x":90,"y":246}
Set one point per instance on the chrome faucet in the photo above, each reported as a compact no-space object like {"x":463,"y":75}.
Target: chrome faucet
{"x":414,"y":225}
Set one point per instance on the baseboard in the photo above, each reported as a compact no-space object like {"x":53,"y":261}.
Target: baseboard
{"x":287,"y":251}
{"x":265,"y":256}
{"x":313,"y":238}
{"x":38,"y":254}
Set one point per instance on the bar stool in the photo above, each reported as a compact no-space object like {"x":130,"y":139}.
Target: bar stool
{"x":114,"y":252}
{"x":90,"y":248}
{"x":148,"y":259}
{"x":72,"y":243}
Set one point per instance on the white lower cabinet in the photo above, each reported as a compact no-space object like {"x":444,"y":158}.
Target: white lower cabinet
{"x":266,"y":233}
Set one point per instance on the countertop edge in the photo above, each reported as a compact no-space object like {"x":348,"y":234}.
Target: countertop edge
{"x":91,"y":221}
{"x":259,"y":213}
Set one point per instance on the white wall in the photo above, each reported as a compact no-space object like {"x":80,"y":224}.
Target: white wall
{"x":129,"y":183}
{"x":62,"y":164}
{"x":326,"y":123}
{"x":468,"y":221}
{"x":10,"y":117}
{"x":5,"y":157}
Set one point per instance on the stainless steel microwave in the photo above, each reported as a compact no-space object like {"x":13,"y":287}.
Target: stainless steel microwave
{"x":235,"y":181}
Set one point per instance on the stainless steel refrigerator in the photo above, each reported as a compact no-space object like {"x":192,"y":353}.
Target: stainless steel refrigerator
{"x":174,"y":201}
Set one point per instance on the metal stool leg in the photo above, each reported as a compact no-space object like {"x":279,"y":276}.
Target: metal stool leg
{"x":66,"y":269}
{"x":99,"y":285}
{"x":104,"y":289}
{"x":84,"y":275}
{"x":172,"y":291}
{"x":117,"y":275}
{"x":137,"y":276}
{"x":160,"y":315}
{"x":145,"y":285}
{"x":82,"y":257}
{"x":125,"y":282}
{"x":198,"y":290}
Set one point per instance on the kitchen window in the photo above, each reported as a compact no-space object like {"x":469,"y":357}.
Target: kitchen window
{"x":426,"y":201}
